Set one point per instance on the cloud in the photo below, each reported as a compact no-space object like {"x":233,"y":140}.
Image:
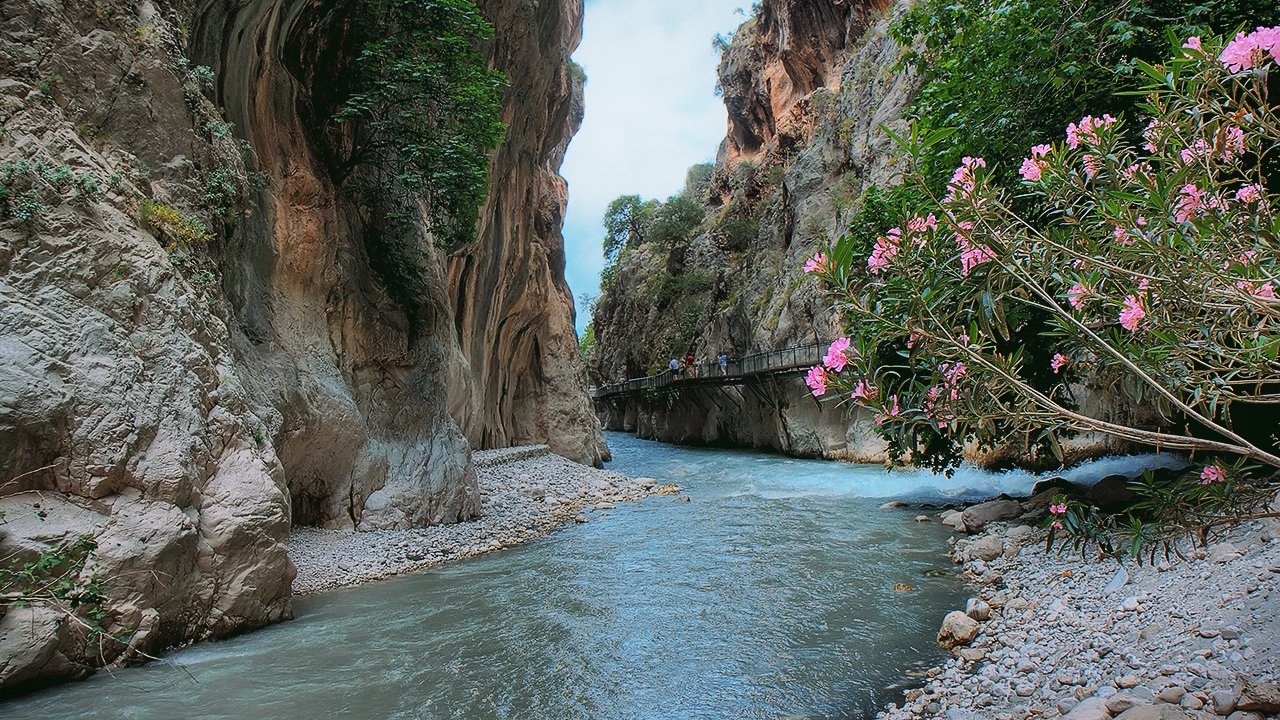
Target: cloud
{"x":651,"y":112}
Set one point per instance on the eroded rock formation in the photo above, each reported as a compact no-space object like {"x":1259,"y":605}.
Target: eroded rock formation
{"x":807,"y":84}
{"x":195,"y":352}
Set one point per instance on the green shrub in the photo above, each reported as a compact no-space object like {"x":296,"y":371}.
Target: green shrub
{"x":173,"y":228}
{"x":29,"y":185}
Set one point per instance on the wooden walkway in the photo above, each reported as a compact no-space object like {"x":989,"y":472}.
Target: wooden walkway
{"x":798,"y":358}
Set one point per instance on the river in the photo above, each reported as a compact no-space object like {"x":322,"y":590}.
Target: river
{"x":771,"y":593}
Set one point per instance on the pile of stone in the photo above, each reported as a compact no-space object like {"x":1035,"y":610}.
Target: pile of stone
{"x":526,"y":492}
{"x":1051,"y":634}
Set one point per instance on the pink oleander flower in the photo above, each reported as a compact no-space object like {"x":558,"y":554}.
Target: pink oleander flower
{"x":1059,"y":361}
{"x":1086,"y":130}
{"x":863,"y":391}
{"x":921,"y":224}
{"x":1152,"y":133}
{"x":816,"y":380}
{"x":1033,"y":167}
{"x":963,"y":182}
{"x":1212,"y":474}
{"x":951,"y":374}
{"x":1195,"y":151}
{"x":1190,"y":203}
{"x":1193,"y":43}
{"x":1250,"y":194}
{"x":889,"y":412}
{"x":886,"y":249}
{"x":1132,"y":314}
{"x":1077,"y":295}
{"x":838,"y":355}
{"x":973,"y":256}
{"x":1246,"y":52}
{"x":1058,"y":509}
{"x":1259,"y":290}
{"x":1091,"y":165}
{"x":817,"y":263}
{"x":1234,"y":143}
{"x":1057,"y":525}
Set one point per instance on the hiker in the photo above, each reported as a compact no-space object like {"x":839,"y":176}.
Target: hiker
{"x":724,"y":363}
{"x":675,"y":367}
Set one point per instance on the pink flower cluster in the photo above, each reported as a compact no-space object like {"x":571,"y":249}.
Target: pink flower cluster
{"x":864,"y":391}
{"x":971,"y":255}
{"x":887,"y":247}
{"x":1152,"y":133}
{"x":889,"y":412}
{"x":1033,"y":167}
{"x":1077,"y":295}
{"x":963,"y":182}
{"x":1057,"y":509}
{"x":817,"y":380}
{"x":1233,"y":145}
{"x":1212,"y":474}
{"x":1191,"y":201}
{"x":946,"y":391}
{"x":1264,"y":290}
{"x":1248,"y":51}
{"x":817,"y":263}
{"x":1250,"y":194}
{"x":1086,"y":130}
{"x":1132,"y":314}
{"x":919,"y":224}
{"x":838,"y":355}
{"x":1059,"y":361}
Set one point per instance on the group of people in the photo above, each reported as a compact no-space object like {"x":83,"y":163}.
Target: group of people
{"x":692,"y":367}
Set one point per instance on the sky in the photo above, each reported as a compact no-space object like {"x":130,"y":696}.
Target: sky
{"x":651,"y":112}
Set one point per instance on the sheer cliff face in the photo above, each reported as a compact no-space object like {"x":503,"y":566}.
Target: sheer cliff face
{"x":185,"y":401}
{"x":807,"y":84}
{"x":522,"y":380}
{"x":789,"y":50}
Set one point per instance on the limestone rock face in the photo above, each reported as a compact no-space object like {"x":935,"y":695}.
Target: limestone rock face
{"x":521,"y":381}
{"x":195,"y":352}
{"x":807,"y":84}
{"x":793,"y":48}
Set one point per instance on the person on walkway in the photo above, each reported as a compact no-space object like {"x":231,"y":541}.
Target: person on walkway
{"x":688,"y":364}
{"x":675,"y":367}
{"x":724,"y":363}
{"x":697,"y":367}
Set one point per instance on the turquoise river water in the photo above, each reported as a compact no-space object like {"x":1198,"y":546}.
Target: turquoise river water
{"x":770,"y":594}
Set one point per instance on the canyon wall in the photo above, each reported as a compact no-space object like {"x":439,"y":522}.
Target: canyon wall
{"x":195,"y":352}
{"x":807,"y":84}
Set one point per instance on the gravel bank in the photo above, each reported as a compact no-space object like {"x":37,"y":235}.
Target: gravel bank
{"x":1056,"y":636}
{"x":526,"y":492}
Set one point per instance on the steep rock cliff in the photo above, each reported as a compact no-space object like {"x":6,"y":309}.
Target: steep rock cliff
{"x":807,"y":83}
{"x":523,"y":380}
{"x":195,"y":352}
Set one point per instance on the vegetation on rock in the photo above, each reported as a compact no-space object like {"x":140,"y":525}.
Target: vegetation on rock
{"x":1144,"y":268}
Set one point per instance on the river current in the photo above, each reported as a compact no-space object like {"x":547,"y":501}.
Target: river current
{"x":780,"y":589}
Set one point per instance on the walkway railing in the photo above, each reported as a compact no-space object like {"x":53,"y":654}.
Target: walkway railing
{"x":774,"y":361}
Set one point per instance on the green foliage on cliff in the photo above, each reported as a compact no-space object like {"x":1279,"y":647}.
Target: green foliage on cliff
{"x":426,"y":108}
{"x":1006,"y":74}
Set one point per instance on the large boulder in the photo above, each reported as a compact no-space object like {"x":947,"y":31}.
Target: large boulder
{"x":1111,"y":493}
{"x":979,"y":516}
{"x":1091,"y":709}
{"x":1257,"y":696}
{"x":1154,"y":712}
{"x":957,"y":629}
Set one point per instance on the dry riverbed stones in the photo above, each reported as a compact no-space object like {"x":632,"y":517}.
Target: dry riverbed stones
{"x":526,"y":493}
{"x":1052,"y":635}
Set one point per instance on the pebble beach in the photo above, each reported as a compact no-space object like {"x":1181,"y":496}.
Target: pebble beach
{"x":526,"y":493}
{"x":1050,"y":634}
